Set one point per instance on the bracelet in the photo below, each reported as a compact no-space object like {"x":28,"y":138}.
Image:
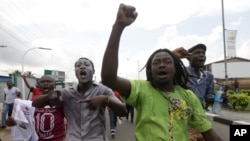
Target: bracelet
{"x":107,"y":101}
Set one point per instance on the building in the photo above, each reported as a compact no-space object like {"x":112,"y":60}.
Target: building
{"x":237,"y":67}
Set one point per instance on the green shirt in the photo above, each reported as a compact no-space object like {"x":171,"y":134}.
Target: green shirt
{"x":165,"y":117}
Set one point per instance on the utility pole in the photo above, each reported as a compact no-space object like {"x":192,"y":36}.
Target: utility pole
{"x":224,"y":42}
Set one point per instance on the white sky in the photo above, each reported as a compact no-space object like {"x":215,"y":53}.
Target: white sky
{"x":81,"y":28}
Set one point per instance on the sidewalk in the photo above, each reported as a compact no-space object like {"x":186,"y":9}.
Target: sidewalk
{"x":231,"y":117}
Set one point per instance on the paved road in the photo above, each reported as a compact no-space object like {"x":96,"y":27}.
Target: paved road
{"x":222,"y":130}
{"x":125,"y":130}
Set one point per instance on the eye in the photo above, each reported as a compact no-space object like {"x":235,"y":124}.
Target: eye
{"x":78,"y":64}
{"x":156,"y":62}
{"x":87,"y":64}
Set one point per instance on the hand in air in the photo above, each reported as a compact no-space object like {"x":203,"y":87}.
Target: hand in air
{"x":126,"y":15}
{"x":181,"y":53}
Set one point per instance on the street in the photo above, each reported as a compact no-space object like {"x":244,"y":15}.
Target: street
{"x":125,"y":131}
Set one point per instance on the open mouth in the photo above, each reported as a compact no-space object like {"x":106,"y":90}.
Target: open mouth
{"x":46,"y":89}
{"x":201,"y":60}
{"x":162,"y":74}
{"x":83,"y":74}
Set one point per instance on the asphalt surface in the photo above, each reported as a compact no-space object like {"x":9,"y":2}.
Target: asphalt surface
{"x":125,"y":129}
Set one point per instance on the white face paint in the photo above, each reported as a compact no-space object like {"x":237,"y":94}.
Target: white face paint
{"x":84,"y":70}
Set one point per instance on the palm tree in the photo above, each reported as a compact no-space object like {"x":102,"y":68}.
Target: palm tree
{"x":29,"y":74}
{"x":16,"y":72}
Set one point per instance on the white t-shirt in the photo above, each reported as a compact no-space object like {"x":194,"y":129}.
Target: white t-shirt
{"x":23,"y":114}
{"x":10,"y":94}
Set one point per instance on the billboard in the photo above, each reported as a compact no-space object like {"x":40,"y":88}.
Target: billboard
{"x":57,"y":75}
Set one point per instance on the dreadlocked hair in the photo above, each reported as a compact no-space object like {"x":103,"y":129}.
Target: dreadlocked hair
{"x":181,"y":74}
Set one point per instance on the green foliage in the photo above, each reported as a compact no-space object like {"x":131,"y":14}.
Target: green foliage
{"x":247,"y":92}
{"x":230,"y":92}
{"x":238,"y":101}
{"x":16,"y":72}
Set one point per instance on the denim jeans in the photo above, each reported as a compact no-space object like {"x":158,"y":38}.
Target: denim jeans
{"x":6,"y":108}
{"x":112,"y":120}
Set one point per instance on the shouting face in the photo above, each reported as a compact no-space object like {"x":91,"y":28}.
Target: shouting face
{"x":84,"y":70}
{"x":162,"y":68}
{"x":198,"y":58}
{"x":46,"y":84}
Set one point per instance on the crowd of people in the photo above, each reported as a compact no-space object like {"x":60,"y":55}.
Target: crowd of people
{"x":170,"y":104}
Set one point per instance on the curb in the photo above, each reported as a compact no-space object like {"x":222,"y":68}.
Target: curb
{"x":225,"y":120}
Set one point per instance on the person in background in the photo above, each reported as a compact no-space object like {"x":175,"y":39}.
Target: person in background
{"x":22,"y":121}
{"x":10,"y":93}
{"x":218,"y":99}
{"x":113,"y":116}
{"x":164,"y":105}
{"x":84,"y":105}
{"x":35,"y":90}
{"x":236,"y":85}
{"x":130,"y":110}
{"x":200,"y":81}
{"x":225,"y":97}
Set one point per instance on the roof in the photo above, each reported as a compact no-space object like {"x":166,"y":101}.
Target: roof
{"x":5,"y":78}
{"x":232,"y":59}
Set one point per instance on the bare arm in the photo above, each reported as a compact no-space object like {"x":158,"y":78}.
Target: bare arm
{"x":180,"y":52}
{"x":26,"y":82}
{"x":116,"y":106}
{"x":53,"y":98}
{"x":126,"y":15}
{"x":210,"y":135}
{"x":41,"y":101}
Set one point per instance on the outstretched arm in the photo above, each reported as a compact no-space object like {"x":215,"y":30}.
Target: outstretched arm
{"x":53,"y":98}
{"x":117,"y":106}
{"x":126,"y":15}
{"x":26,"y":82}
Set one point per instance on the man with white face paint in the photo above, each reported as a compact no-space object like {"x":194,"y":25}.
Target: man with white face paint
{"x":84,"y":105}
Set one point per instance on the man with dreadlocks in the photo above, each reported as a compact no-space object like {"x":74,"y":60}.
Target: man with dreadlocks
{"x":164,"y":106}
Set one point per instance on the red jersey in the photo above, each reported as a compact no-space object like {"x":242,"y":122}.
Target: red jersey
{"x":35,"y":92}
{"x":117,"y":95}
{"x":49,"y":123}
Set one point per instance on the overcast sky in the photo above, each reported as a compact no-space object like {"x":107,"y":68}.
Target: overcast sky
{"x":81,"y":28}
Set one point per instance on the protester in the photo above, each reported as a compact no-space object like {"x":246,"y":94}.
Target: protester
{"x":84,"y":105}
{"x":49,"y":120}
{"x":164,"y":106}
{"x":21,"y":121}
{"x":130,"y":110}
{"x":113,"y":116}
{"x":35,"y":90}
{"x":10,"y":93}
{"x":201,"y":82}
